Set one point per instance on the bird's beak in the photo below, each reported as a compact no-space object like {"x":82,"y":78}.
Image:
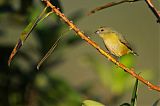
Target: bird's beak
{"x":96,"y":32}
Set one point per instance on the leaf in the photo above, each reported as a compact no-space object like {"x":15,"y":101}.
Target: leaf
{"x":91,"y":103}
{"x":125,"y":104}
{"x":50,"y":50}
{"x":47,"y":55}
{"x":134,"y":94}
{"x":26,"y":32}
{"x":156,"y":102}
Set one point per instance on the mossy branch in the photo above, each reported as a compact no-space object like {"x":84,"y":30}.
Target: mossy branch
{"x":92,"y":43}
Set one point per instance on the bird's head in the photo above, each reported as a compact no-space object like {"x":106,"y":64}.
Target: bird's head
{"x":103,"y":31}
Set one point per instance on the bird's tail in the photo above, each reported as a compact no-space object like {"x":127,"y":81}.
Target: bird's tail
{"x":134,"y":53}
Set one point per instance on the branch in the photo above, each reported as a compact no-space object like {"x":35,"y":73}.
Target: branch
{"x":153,"y":9}
{"x":110,"y":5}
{"x":150,"y":5}
{"x":107,"y":55}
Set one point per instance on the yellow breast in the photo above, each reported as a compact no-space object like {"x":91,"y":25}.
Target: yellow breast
{"x":114,"y":45}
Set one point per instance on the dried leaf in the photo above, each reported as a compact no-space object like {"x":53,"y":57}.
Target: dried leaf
{"x":26,"y":32}
{"x":50,"y":50}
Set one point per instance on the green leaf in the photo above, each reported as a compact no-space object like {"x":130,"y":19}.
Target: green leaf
{"x":134,"y":94}
{"x":46,"y":55}
{"x":26,"y":32}
{"x":51,"y":50}
{"x":156,"y":102}
{"x":125,"y":104}
{"x":91,"y":103}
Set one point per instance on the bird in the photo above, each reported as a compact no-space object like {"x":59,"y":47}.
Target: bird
{"x":115,"y":43}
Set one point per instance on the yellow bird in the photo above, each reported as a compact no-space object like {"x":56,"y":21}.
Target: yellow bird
{"x":114,"y":42}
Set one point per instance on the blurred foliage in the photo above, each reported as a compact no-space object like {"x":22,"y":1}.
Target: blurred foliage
{"x":55,"y":91}
{"x":21,"y":84}
{"x":114,"y":78}
{"x":132,"y":103}
{"x":133,"y":99}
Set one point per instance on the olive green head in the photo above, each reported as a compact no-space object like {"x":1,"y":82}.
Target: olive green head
{"x":103,"y":31}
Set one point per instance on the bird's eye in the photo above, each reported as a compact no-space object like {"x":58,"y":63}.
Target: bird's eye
{"x":102,"y":29}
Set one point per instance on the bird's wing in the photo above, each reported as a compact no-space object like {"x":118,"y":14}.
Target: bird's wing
{"x":124,"y":41}
{"x":107,"y":48}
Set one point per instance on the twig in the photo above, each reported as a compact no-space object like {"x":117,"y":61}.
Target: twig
{"x":149,"y":3}
{"x":153,"y":9}
{"x":110,"y":5}
{"x":107,"y":55}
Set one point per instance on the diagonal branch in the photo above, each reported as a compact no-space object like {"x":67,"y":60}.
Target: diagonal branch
{"x":153,"y":9}
{"x":149,"y":3}
{"x":92,"y":43}
{"x":110,"y":5}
